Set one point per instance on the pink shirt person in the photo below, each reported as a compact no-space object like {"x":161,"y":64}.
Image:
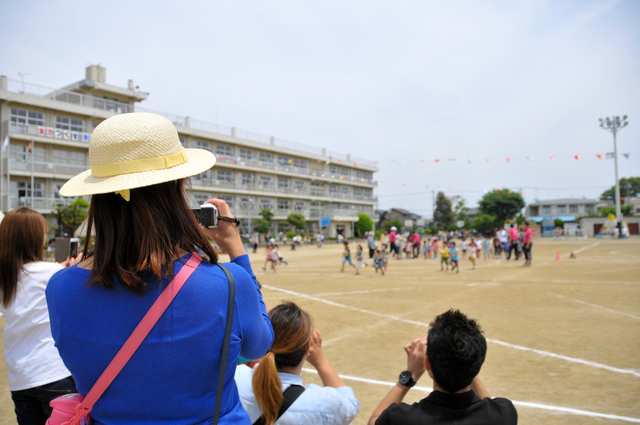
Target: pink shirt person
{"x":527,"y":236}
{"x":513,"y":234}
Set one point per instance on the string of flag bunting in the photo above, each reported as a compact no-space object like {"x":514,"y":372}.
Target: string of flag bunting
{"x":509,"y":159}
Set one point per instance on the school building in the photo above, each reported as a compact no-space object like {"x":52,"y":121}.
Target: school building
{"x":48,"y":138}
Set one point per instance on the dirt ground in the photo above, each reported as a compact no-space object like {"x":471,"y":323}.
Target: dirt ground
{"x":563,"y":336}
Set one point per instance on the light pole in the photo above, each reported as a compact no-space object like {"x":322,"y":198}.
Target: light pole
{"x":614,"y":124}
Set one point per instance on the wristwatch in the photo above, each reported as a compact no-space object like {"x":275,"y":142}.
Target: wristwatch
{"x":406,"y":379}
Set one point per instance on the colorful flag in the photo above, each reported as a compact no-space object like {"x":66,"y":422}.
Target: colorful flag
{"x":30,"y":146}
{"x":5,"y":144}
{"x":626,"y":155}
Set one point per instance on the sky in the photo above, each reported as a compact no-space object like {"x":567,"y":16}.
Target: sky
{"x":405,"y":83}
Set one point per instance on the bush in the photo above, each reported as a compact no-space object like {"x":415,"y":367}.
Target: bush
{"x":363,"y":225}
{"x":290,"y":234}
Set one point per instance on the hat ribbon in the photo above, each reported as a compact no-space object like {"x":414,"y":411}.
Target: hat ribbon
{"x":138,"y":165}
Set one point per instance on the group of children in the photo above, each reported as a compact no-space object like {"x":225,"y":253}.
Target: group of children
{"x":380,"y":258}
{"x":273,"y":257}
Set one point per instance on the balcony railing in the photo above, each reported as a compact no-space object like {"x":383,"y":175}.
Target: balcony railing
{"x":38,"y":203}
{"x":66,"y":96}
{"x":52,"y":168}
{"x":51,"y":132}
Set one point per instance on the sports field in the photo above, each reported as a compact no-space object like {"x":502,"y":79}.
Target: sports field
{"x":563,"y":336}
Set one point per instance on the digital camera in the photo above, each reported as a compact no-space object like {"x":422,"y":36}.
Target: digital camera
{"x":207,"y":215}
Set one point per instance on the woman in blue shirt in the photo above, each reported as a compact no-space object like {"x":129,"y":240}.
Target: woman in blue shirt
{"x":144,"y":233}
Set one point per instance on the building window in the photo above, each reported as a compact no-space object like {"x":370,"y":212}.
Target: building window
{"x":333,"y":189}
{"x":333,"y":169}
{"x":265,"y":203}
{"x":346,"y":190}
{"x":69,"y":157}
{"x":224,"y":150}
{"x":283,"y":183}
{"x":183,"y":141}
{"x":227,"y":198}
{"x":562,"y":209}
{"x":300,"y":206}
{"x":247,"y":178}
{"x":246,"y":153}
{"x":21,"y":153}
{"x":73,"y":124}
{"x":588,"y":208}
{"x":546,"y":209}
{"x":265,"y":157}
{"x":368,"y":193}
{"x":23,"y":189}
{"x":284,"y":204}
{"x":364,"y":175}
{"x":357,"y":191}
{"x":203,"y":176}
{"x":299,"y":185}
{"x":300,"y":163}
{"x":201,"y":144}
{"x":315,"y":205}
{"x":284,"y":160}
{"x":200,"y":198}
{"x":19,"y":116}
{"x":317,"y":184}
{"x":225,"y":176}
{"x":573,"y":208}
{"x":345,"y":171}
{"x":266,"y":181}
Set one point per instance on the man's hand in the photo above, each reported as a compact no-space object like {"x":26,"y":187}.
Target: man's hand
{"x":416,"y":351}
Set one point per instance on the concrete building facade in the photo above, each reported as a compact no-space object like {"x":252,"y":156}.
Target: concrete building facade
{"x":49,"y":129}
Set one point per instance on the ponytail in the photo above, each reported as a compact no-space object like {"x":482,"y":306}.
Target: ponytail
{"x":267,"y":387}
{"x":292,"y":329}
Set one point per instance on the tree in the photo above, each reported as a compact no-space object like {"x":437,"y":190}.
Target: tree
{"x":267,"y":214}
{"x":629,"y":187}
{"x":443,"y":214}
{"x":296,"y":220}
{"x":392,"y":223}
{"x":262,"y":225}
{"x":364,"y":224}
{"x":626,"y":211}
{"x":503,"y":204}
{"x":70,"y":217}
{"x":484,"y":223}
{"x":460,"y":210}
{"x":558,"y":222}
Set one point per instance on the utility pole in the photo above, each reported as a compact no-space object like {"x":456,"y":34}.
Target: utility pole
{"x":614,"y":125}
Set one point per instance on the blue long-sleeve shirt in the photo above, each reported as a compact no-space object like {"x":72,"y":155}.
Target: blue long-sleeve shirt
{"x":172,"y":378}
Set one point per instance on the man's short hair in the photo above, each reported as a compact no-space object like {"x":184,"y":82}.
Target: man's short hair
{"x":456,"y":350}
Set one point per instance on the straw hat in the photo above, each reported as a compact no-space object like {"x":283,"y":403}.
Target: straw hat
{"x":128,"y":151}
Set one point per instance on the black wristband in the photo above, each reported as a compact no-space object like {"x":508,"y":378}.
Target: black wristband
{"x":230,"y":220}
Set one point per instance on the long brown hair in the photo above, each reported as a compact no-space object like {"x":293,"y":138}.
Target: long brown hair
{"x":22,"y":235}
{"x":142,"y":235}
{"x":292,"y":329}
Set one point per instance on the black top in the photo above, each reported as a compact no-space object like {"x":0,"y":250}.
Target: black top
{"x":443,"y":408}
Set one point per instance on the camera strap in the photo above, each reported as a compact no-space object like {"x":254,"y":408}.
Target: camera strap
{"x":230,"y":220}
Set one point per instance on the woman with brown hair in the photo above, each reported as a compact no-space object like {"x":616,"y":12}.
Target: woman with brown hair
{"x":273,"y":392}
{"x":145,"y":232}
{"x":36,"y":372}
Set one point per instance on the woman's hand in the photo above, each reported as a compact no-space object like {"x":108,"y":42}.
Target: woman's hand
{"x":70,"y":261}
{"x":316,"y":355}
{"x":226,"y":234}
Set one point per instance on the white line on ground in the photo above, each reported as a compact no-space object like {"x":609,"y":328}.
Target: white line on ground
{"x":596,"y":306}
{"x":362,"y":292}
{"x":586,"y":247}
{"x":517,"y":403}
{"x":425,"y":325}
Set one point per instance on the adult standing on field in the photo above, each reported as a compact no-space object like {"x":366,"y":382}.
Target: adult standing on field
{"x":513,"y":242}
{"x":392,"y":242}
{"x":527,"y":241}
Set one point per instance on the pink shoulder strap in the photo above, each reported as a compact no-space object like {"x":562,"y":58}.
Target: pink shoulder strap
{"x":139,"y":334}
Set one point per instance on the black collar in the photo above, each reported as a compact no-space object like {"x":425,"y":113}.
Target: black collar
{"x":461,"y":400}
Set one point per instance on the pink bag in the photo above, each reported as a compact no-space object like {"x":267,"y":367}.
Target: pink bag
{"x":74,"y":409}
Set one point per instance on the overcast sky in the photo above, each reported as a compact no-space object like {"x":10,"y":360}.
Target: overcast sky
{"x":396,"y":82}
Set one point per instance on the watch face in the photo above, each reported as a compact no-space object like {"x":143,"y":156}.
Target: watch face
{"x":405,"y":377}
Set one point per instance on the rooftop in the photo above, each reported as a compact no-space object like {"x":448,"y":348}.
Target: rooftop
{"x":565,"y":201}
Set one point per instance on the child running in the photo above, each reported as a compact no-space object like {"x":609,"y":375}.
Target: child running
{"x":384,"y":259}
{"x":377,"y":260}
{"x":453,"y":252}
{"x":435,"y":248}
{"x":487,"y":249}
{"x":473,"y":249}
{"x":425,"y":249}
{"x":346,"y":256}
{"x":359,"y":258}
{"x":444,"y":256}
{"x":464,"y":248}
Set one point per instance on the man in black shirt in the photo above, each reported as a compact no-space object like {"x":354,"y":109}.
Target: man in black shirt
{"x":452,"y":353}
